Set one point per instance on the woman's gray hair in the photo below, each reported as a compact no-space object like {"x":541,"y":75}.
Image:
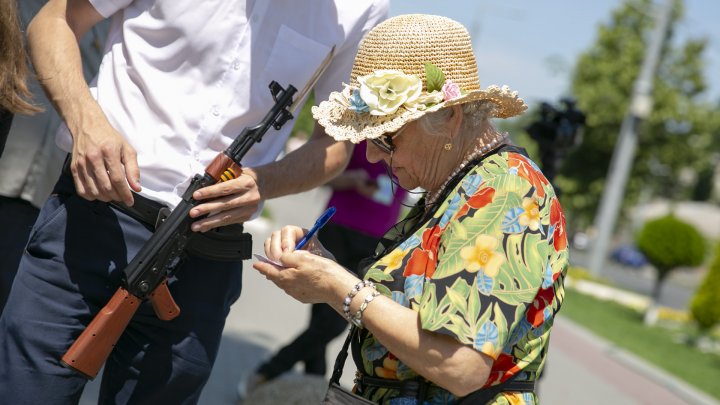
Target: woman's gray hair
{"x":476,"y":114}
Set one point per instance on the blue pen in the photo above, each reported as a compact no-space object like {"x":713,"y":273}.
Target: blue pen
{"x":324,"y":218}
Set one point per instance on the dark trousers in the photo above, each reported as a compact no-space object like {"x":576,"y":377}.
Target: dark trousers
{"x":71,"y":267}
{"x":17,"y":217}
{"x":349,"y":247}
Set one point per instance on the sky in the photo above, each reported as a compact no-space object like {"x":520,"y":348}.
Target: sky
{"x":532,"y":45}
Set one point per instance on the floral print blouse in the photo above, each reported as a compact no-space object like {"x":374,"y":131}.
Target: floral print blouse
{"x":487,"y":269}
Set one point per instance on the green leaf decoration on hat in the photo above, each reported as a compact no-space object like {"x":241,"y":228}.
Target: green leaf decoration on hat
{"x":435,"y":77}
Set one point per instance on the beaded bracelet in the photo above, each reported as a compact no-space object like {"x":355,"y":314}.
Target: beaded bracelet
{"x":357,"y":319}
{"x":353,"y":292}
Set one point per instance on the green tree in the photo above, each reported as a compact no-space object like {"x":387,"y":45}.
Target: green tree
{"x":705,"y":305}
{"x":669,"y":243}
{"x":674,"y":140}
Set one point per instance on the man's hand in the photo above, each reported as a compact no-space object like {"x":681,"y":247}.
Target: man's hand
{"x":230,"y":202}
{"x":104,"y":164}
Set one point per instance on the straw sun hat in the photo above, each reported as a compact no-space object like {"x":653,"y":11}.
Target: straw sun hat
{"x":406,"y":67}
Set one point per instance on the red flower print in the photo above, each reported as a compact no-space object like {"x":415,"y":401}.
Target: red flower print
{"x":526,"y":170}
{"x":420,"y":263}
{"x":557,"y":219}
{"x":535,"y":314}
{"x":503,"y":368}
{"x":424,"y":259}
{"x":481,"y":198}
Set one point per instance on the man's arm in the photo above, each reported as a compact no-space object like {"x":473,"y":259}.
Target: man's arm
{"x":320,"y":159}
{"x":103,"y":163}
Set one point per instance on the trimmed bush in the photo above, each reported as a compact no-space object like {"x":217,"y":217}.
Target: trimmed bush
{"x":669,"y":243}
{"x":705,"y":305}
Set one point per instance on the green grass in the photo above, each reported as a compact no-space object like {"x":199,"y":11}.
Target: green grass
{"x":624,"y":327}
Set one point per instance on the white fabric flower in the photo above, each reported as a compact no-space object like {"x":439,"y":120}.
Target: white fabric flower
{"x":384,"y":91}
{"x":427,"y":100}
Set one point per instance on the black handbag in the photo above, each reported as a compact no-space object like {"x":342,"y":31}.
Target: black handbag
{"x":337,"y":395}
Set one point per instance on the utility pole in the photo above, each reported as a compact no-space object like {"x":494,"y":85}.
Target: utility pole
{"x":624,"y":153}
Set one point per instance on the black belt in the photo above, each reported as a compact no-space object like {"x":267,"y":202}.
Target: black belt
{"x":418,"y":388}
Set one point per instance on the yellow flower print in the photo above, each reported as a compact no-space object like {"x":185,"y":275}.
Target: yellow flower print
{"x":531,"y":215}
{"x":389,"y":369}
{"x":482,"y":256}
{"x":393,"y":260}
{"x":514,"y":399}
{"x":487,"y":348}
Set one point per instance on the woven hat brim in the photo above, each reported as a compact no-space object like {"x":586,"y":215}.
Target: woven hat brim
{"x":344,"y":124}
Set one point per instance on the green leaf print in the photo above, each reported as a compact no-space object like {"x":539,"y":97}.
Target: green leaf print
{"x":377,"y":274}
{"x":458,"y":326}
{"x":473,"y":305}
{"x":517,"y":281}
{"x":430,"y":316}
{"x":502,"y":326}
{"x":458,"y":230}
{"x":528,"y":350}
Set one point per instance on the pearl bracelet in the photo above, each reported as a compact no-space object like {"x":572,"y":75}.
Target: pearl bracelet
{"x":357,"y":319}
{"x":353,"y":292}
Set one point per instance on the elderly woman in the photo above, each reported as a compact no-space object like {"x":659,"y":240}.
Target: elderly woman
{"x":458,"y":301}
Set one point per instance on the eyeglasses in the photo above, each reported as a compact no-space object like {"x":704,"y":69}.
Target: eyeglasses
{"x":385,"y":141}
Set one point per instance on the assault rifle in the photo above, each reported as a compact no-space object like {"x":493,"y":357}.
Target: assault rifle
{"x":145,"y":277}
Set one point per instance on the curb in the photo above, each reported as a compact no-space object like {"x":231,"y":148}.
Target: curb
{"x":682,"y":389}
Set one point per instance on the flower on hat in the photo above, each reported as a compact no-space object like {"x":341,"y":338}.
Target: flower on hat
{"x":427,"y":100}
{"x":356,"y":103}
{"x":384,"y":91}
{"x":450,"y":90}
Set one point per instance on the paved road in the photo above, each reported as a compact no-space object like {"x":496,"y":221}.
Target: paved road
{"x":582,"y":369}
{"x":676,"y":292}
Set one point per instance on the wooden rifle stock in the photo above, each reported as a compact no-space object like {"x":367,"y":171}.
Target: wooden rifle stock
{"x":90,"y":351}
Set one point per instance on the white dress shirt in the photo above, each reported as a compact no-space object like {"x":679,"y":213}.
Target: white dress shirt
{"x":180,"y":79}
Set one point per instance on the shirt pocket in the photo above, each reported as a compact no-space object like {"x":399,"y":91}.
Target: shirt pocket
{"x":294,"y":58}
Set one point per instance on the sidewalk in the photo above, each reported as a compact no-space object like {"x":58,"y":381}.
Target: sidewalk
{"x":581,"y":368}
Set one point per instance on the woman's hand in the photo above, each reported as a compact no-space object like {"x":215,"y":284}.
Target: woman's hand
{"x":309,"y":278}
{"x":287,"y":238}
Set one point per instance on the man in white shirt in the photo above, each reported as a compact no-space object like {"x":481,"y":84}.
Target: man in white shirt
{"x":178,"y":81}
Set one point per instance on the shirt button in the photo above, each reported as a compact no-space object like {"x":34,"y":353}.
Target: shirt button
{"x":216,"y":111}
{"x":236,"y":65}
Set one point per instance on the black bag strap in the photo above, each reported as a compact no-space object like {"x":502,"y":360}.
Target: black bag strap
{"x":342,"y":356}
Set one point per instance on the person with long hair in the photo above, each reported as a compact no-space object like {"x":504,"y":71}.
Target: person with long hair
{"x":15,"y":98}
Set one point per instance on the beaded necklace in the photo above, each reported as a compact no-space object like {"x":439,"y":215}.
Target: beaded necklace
{"x":431,"y":198}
